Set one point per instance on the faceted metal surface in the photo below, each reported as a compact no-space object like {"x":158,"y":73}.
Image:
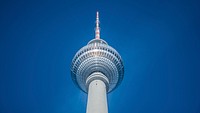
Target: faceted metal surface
{"x":97,"y":56}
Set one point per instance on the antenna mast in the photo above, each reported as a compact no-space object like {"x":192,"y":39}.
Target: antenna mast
{"x":97,"y":29}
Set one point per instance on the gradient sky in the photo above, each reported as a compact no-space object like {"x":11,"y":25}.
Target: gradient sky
{"x":159,"y":41}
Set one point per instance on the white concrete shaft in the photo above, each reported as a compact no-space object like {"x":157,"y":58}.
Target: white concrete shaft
{"x":97,"y":97}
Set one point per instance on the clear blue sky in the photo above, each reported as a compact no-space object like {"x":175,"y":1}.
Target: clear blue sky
{"x":159,"y":41}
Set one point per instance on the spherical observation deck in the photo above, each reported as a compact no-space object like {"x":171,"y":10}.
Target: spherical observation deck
{"x":97,"y":57}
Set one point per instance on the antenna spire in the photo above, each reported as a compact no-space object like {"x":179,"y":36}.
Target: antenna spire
{"x":97,"y":29}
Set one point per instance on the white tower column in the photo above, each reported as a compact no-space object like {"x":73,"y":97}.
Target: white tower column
{"x":97,"y":97}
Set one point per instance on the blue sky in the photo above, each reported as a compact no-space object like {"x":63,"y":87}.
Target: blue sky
{"x":158,"y":40}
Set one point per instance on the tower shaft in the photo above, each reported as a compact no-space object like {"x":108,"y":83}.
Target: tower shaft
{"x":97,"y":98}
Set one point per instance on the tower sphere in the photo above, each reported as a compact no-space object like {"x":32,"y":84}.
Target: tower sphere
{"x":100,"y":58}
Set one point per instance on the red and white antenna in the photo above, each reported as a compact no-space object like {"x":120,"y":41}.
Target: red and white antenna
{"x":97,"y":29}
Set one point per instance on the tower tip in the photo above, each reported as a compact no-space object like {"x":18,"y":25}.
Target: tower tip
{"x":97,"y":14}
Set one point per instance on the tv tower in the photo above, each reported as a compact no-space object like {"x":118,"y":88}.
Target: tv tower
{"x":97,"y":69}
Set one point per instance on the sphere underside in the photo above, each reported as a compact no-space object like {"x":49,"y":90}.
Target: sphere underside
{"x":97,"y":56}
